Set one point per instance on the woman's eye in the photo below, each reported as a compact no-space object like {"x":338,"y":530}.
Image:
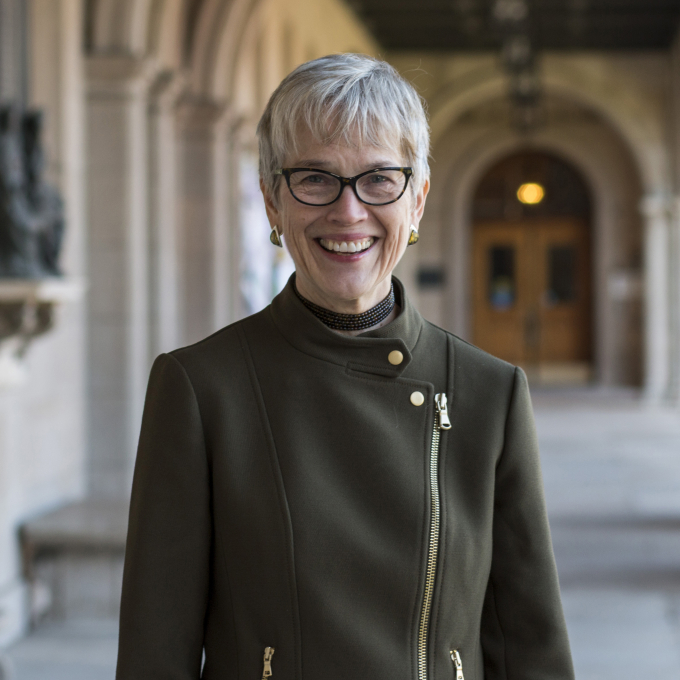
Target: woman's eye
{"x":379,"y":179}
{"x":315,"y":179}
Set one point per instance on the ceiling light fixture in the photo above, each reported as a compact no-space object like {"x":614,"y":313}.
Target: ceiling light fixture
{"x":520,"y":61}
{"x":530,"y":193}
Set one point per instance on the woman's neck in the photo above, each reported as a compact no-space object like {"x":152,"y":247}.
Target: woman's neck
{"x":376,"y":316}
{"x":393,"y":315}
{"x":341,"y":305}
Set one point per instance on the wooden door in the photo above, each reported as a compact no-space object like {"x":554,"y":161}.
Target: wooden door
{"x":500,"y":291}
{"x":532,"y":293}
{"x":564,"y":305}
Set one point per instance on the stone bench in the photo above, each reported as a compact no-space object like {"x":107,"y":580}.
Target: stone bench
{"x":73,"y":560}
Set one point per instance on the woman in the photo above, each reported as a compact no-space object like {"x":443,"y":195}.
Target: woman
{"x":334,"y":488}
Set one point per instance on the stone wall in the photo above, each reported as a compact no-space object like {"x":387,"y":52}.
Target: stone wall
{"x":42,"y":422}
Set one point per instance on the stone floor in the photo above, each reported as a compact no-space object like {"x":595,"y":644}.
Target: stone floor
{"x":612,"y":475}
{"x":80,"y":650}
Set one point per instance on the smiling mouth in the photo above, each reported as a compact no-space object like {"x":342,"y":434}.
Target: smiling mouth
{"x":348,"y":247}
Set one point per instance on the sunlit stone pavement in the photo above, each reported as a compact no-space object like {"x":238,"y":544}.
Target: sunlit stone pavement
{"x":80,"y":650}
{"x":612,"y":475}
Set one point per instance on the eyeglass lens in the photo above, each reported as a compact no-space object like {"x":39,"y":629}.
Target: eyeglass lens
{"x":375,"y":188}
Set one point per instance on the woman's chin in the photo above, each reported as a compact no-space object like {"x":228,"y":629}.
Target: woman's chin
{"x":341,"y":290}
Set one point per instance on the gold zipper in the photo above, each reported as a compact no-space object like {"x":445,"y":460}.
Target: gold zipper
{"x":267,"y":670}
{"x":441,"y":422}
{"x":458,"y":663}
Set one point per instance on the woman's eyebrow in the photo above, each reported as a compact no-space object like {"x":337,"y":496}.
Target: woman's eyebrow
{"x":312,"y":163}
{"x":382,"y":163}
{"x":325,"y":165}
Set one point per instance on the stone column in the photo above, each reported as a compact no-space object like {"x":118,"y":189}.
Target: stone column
{"x":204,"y":244}
{"x":117,"y":175}
{"x":257,"y":264}
{"x":222,"y":226}
{"x":13,"y":52}
{"x":673,"y":389}
{"x":656,"y":297}
{"x":243,"y":154}
{"x":674,"y":250}
{"x":164,"y":331}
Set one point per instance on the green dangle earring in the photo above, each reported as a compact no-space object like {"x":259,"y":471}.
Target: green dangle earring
{"x":413,"y":236}
{"x":275,"y":237}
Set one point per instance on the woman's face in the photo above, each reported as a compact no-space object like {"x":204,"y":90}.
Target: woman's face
{"x":349,"y":282}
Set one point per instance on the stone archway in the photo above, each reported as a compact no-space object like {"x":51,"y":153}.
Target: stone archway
{"x":530,"y":262}
{"x":479,"y":139}
{"x":174,"y":90}
{"x":629,"y":99}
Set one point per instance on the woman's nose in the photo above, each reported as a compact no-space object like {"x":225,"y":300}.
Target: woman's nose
{"x":348,"y":209}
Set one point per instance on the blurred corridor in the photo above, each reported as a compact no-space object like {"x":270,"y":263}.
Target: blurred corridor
{"x":612,"y":474}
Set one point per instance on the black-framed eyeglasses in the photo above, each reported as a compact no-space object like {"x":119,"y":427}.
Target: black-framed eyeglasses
{"x":379,"y":186}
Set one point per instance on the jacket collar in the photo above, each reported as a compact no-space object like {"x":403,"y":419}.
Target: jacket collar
{"x":366,"y":352}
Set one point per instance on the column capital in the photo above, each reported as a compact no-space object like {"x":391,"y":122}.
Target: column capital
{"x":167,"y":89}
{"x":200,"y":113}
{"x":243,"y":131}
{"x":122,"y":74}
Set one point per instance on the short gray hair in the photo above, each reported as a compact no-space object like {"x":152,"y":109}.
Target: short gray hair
{"x":348,"y":98}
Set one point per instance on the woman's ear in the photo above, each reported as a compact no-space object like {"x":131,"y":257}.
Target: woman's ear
{"x":271,"y":206}
{"x":419,"y":205}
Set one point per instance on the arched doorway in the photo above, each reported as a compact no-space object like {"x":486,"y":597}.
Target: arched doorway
{"x":531,"y":267}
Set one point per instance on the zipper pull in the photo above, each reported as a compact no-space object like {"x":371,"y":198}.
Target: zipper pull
{"x":455,"y":657}
{"x":440,"y":401}
{"x":268,"y":654}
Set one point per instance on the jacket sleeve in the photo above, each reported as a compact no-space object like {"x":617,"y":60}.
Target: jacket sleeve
{"x":524,"y":634}
{"x":166,"y":574}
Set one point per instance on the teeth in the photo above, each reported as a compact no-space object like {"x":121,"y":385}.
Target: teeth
{"x":347,"y":246}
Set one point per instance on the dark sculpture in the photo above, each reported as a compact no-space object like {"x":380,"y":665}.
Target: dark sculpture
{"x":31,"y":211}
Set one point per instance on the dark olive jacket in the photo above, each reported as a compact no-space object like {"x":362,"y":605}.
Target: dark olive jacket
{"x":282,"y":498}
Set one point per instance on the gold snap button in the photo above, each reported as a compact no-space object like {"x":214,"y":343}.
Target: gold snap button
{"x":417,"y":399}
{"x":395,"y":357}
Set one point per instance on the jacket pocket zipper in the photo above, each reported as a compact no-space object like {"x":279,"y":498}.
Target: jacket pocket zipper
{"x":458,"y":663}
{"x":267,"y":670}
{"x":441,"y":422}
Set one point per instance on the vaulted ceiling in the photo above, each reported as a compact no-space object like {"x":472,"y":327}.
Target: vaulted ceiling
{"x":457,"y":25}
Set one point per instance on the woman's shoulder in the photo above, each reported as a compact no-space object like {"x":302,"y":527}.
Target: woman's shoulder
{"x":224,"y":349}
{"x":472,"y":362}
{"x":483,"y":386}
